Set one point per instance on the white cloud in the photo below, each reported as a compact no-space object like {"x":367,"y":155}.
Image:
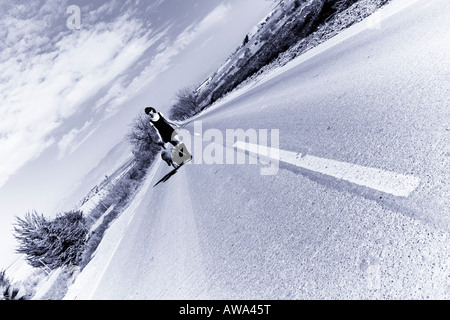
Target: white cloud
{"x":68,"y":143}
{"x":162,"y":61}
{"x":214,"y":17}
{"x":118,"y":93}
{"x":48,"y":72}
{"x":107,"y":8}
{"x":44,"y":81}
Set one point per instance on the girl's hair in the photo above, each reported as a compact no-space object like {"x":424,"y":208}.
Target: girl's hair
{"x":149,"y":109}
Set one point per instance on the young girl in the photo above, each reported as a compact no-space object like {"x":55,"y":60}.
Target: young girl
{"x":175,"y":152}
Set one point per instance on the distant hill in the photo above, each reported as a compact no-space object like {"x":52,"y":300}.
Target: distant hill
{"x":285,"y":27}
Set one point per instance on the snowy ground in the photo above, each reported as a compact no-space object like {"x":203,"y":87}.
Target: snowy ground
{"x":375,"y":97}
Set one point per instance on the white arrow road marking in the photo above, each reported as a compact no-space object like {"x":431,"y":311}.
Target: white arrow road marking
{"x":385,"y":181}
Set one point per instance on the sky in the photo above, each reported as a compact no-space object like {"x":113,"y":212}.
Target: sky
{"x":68,"y":92}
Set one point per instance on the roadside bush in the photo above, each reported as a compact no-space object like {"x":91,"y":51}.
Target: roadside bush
{"x":186,"y":105}
{"x":204,"y":98}
{"x":144,"y":141}
{"x":7,"y":291}
{"x":51,"y":243}
{"x":96,"y":237}
{"x":303,"y":19}
{"x":126,"y":186}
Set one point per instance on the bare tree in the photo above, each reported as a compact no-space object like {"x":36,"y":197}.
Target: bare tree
{"x":144,"y":140}
{"x":186,"y":105}
{"x":51,"y":243}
